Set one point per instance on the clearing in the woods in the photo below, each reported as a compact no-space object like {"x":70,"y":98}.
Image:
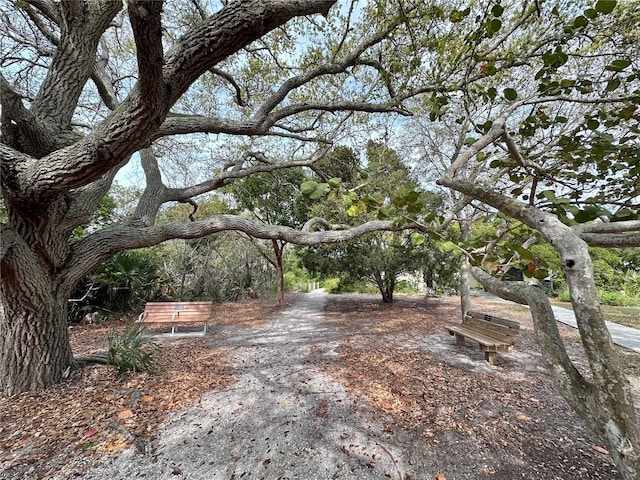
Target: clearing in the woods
{"x":327,"y":386}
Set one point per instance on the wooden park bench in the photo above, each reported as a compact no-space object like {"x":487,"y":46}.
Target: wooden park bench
{"x":492,"y":333}
{"x":175,"y":313}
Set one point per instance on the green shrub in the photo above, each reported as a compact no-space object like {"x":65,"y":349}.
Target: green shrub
{"x":361,"y":287}
{"x":332,"y":285}
{"x":131,"y":352}
{"x":618,"y":299}
{"x":563,"y":295}
{"x":297,"y":283}
{"x":405,"y":287}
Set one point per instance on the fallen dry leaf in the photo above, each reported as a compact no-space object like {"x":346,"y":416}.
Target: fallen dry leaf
{"x":123,"y":414}
{"x":441,"y":476}
{"x":386,"y":405}
{"x":146,"y":398}
{"x":91,"y":432}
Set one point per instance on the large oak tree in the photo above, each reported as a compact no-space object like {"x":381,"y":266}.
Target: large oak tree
{"x":86,"y":84}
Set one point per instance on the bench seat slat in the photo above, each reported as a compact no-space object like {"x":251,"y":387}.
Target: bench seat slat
{"x":478,"y":325}
{"x":486,"y":341}
{"x":493,"y":334}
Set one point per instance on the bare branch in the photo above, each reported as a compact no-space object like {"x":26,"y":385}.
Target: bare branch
{"x":222,"y":34}
{"x":155,"y":193}
{"x":102,"y":81}
{"x":261,"y":125}
{"x":94,"y":249}
{"x":232,"y":81}
{"x":49,"y":9}
{"x":132,"y":125}
{"x":608,"y":227}
{"x":86,"y":200}
{"x":611,"y":240}
{"x":227,"y":177}
{"x":326,"y":69}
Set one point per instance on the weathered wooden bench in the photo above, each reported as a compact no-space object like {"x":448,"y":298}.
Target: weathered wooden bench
{"x":175,"y":313}
{"x":492,"y":333}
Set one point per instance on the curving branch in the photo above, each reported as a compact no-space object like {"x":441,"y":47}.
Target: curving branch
{"x":546,"y":330}
{"x":85,"y":201}
{"x":232,"y":81}
{"x":94,"y":249}
{"x":227,"y":177}
{"x":19,"y":124}
{"x":611,"y":240}
{"x":155,"y":193}
{"x":608,"y":227}
{"x":102,"y":81}
{"x":83,"y":26}
{"x":134,"y":122}
{"x":49,"y":9}
{"x":261,"y":125}
{"x":51,"y":12}
{"x":224,"y":33}
{"x":326,"y":69}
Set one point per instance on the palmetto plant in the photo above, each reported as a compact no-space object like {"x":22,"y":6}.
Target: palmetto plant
{"x":129,"y":279}
{"x":131,"y":352}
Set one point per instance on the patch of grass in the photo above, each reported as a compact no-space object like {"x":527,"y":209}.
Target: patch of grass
{"x":629,"y":316}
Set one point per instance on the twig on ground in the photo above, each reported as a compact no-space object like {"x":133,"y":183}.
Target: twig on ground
{"x":135,"y":441}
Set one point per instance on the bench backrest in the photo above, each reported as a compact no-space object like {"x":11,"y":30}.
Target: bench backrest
{"x":178,"y":310}
{"x":505,"y":330}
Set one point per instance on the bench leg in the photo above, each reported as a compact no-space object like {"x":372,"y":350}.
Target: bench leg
{"x":459,"y":339}
{"x":173,"y":329}
{"x":491,"y":357}
{"x":206,"y":327}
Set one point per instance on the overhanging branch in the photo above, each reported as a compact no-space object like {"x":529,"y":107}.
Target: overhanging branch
{"x":99,"y":246}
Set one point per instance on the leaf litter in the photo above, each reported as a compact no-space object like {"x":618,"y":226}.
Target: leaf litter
{"x":507,"y":421}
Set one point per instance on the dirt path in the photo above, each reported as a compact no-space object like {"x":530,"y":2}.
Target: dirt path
{"x":282,"y":419}
{"x":344,"y":387}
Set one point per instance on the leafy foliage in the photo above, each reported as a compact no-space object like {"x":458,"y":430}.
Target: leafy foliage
{"x":131,"y":352}
{"x":128,"y":280}
{"x":381,"y":188}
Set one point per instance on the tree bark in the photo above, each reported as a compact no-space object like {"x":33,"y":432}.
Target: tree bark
{"x":605,"y":404}
{"x":386,"y":285}
{"x":465,"y":290}
{"x":34,"y":343}
{"x":53,"y":178}
{"x":278,"y":250}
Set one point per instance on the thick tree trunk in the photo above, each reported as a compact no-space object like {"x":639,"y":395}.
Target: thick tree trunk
{"x":465,"y":290}
{"x":278,"y":250}
{"x":386,"y":286}
{"x":34,"y":342}
{"x":427,"y":276}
